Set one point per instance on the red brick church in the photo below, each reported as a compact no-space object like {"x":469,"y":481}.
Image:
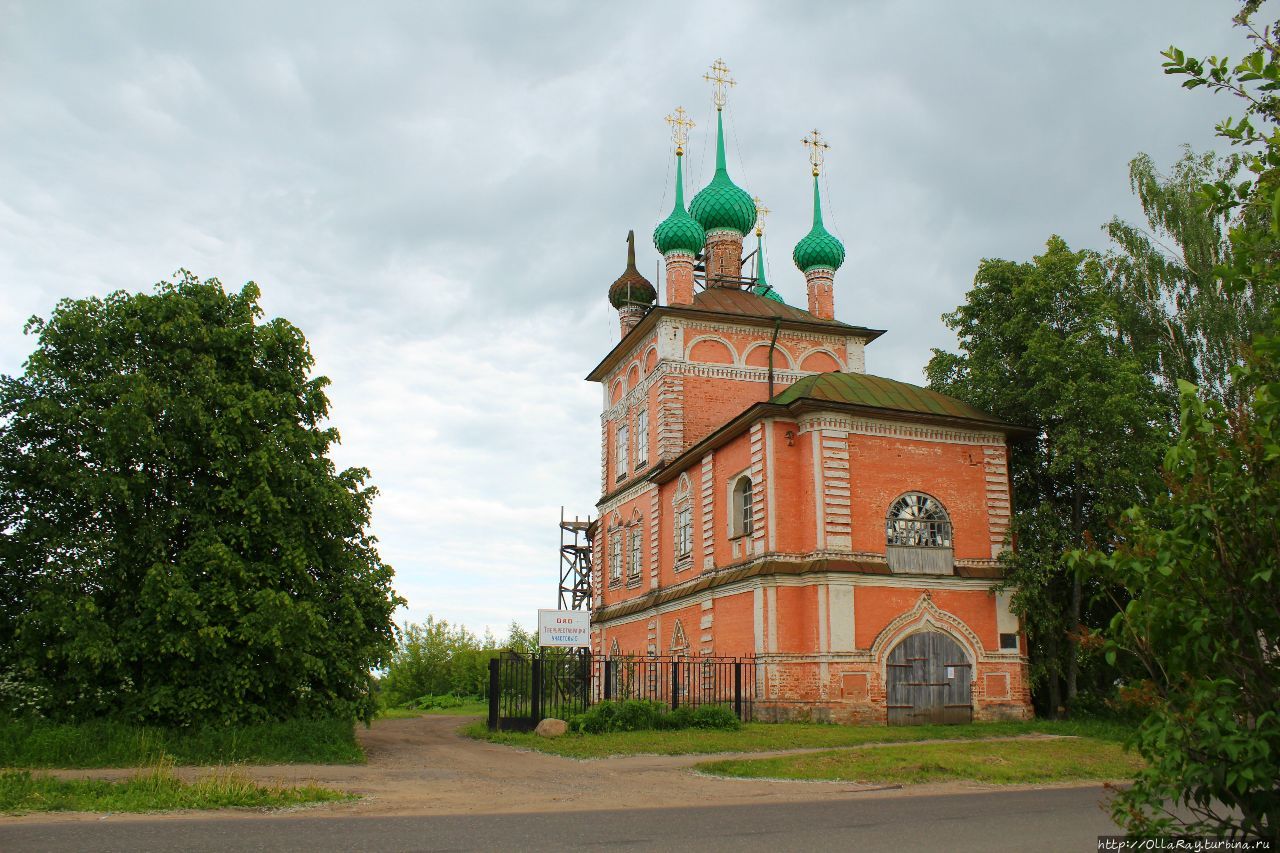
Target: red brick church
{"x":763,"y":496}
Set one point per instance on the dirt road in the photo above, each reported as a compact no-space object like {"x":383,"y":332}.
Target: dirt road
{"x":422,"y":766}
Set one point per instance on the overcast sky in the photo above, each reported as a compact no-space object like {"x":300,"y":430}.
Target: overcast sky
{"x":438,"y":196}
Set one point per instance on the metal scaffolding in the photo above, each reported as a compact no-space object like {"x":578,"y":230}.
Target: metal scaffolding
{"x":575,"y":562}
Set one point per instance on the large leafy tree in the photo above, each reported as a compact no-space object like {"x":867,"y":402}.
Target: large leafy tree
{"x":1173,"y":310}
{"x":1038,"y":348}
{"x":1202,"y":567}
{"x":175,"y":544}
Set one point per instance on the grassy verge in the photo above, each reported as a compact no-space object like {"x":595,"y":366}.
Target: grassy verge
{"x":765,"y":737}
{"x":999,"y":763}
{"x":469,"y":708}
{"x":154,"y":789}
{"x":111,"y":744}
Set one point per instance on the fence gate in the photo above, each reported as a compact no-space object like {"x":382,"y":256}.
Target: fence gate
{"x":525,"y":689}
{"x":929,"y":681}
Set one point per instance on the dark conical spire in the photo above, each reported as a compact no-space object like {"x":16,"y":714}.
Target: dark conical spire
{"x":632,"y":288}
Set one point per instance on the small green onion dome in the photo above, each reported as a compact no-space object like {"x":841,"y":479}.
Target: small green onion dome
{"x":762,"y":288}
{"x":818,"y":249}
{"x":722,"y":204}
{"x":632,"y":288}
{"x":679,"y":232}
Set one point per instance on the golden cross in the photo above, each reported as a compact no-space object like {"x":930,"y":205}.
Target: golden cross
{"x":816,"y":149}
{"x":680,"y":124}
{"x":761,"y":213}
{"x":720,"y":81}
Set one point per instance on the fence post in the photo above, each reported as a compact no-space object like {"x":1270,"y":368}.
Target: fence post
{"x":495,"y":691}
{"x":737,"y":688}
{"x":535,"y":698}
{"x":608,"y":679}
{"x":675,"y":683}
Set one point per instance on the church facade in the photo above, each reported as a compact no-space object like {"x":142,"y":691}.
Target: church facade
{"x":762,"y":496}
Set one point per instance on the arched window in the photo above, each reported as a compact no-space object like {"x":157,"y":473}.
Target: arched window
{"x":918,"y":520}
{"x":740,"y":515}
{"x":682,"y":509}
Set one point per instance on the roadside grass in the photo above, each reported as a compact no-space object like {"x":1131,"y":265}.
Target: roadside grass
{"x":997,"y":763}
{"x":103,"y":743}
{"x":766,"y":737}
{"x":467,"y":708}
{"x":155,"y":788}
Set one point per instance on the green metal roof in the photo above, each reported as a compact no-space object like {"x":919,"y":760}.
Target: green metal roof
{"x":722,"y":203}
{"x":762,"y":288}
{"x":818,"y":248}
{"x":679,"y":232}
{"x":859,"y":389}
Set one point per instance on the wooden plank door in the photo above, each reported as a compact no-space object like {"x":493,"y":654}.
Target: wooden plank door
{"x":929,"y":680}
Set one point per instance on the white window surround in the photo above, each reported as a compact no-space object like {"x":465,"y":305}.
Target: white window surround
{"x":615,"y":556}
{"x":682,"y":526}
{"x":636,"y":545}
{"x":621,"y":462}
{"x":740,"y":500}
{"x":642,"y":438}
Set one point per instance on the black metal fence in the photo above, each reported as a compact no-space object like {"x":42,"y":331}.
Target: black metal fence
{"x":525,"y":689}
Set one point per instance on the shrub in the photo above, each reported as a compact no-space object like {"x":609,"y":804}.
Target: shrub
{"x":642,"y":715}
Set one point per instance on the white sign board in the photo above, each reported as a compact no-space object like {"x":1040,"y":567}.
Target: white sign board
{"x":564,"y":628}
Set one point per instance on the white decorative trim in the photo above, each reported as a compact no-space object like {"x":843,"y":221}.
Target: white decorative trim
{"x":707,"y":514}
{"x":896,"y":429}
{"x":790,"y":365}
{"x":837,"y":515}
{"x":840,"y":364}
{"x":996,"y":472}
{"x":628,"y":494}
{"x":855,"y":580}
{"x":733,"y":352}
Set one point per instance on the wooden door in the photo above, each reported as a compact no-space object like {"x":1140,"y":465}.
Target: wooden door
{"x":929,"y":680}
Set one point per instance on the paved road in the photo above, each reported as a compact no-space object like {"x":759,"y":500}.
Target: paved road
{"x":1026,"y":820}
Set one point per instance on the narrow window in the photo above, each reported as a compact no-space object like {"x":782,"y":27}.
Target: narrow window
{"x":615,"y":557}
{"x":740,"y":515}
{"x":684,"y":531}
{"x":1009,"y":642}
{"x":621,"y":456}
{"x":642,"y":438}
{"x":633,"y":567}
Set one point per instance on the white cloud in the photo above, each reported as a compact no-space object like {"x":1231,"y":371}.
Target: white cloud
{"x":438,"y":195}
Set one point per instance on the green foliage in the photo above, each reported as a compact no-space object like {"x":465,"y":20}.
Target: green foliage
{"x":634,"y":715}
{"x":1202,"y":567}
{"x":154,"y":789}
{"x":111,"y":743}
{"x":436,"y":659}
{"x":176,"y":545}
{"x":1038,"y":348}
{"x":1173,"y":311}
{"x":1201,"y":564}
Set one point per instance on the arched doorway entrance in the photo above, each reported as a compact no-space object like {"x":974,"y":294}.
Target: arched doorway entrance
{"x":929,"y":680}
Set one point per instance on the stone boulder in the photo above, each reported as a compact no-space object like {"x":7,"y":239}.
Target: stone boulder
{"x":551,"y":727}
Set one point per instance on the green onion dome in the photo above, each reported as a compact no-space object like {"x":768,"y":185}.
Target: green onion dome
{"x":762,"y":288}
{"x":632,"y":288}
{"x":818,"y":249}
{"x":722,"y":204}
{"x":679,"y":232}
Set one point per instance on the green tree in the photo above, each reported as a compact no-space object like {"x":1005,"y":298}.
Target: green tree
{"x":1202,"y":569}
{"x":175,"y":544}
{"x":1038,"y":348}
{"x":1200,"y":565}
{"x":1173,"y":310}
{"x":435,"y":658}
